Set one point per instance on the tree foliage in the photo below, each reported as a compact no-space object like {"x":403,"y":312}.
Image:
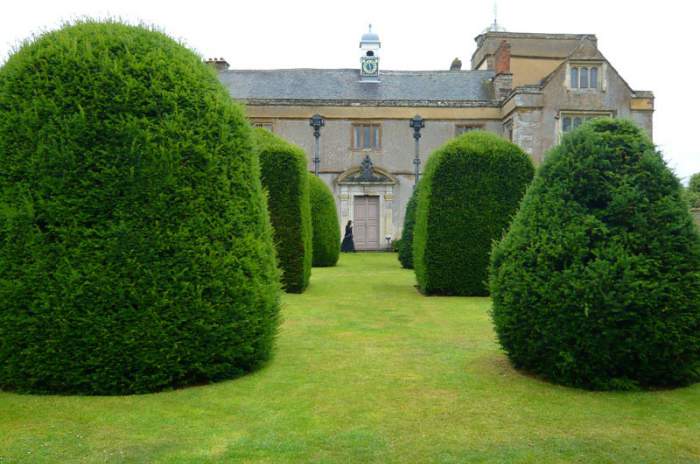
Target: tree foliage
{"x":471,"y":188}
{"x":135,"y":247}
{"x":693,"y":191}
{"x":285,"y":177}
{"x":597,"y":282}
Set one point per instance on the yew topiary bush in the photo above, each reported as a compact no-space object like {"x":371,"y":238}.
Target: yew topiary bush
{"x":471,"y":188}
{"x":324,"y":220}
{"x":406,"y":243}
{"x":135,"y":247}
{"x":284,"y":176}
{"x":597,"y":282}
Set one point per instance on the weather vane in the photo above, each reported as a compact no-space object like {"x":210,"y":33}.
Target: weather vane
{"x":495,"y":27}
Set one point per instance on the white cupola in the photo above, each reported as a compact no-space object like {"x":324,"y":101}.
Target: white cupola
{"x":369,"y":62}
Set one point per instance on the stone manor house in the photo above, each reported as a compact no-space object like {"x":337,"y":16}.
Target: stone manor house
{"x":528,"y":88}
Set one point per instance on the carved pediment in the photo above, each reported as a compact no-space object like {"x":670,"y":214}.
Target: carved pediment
{"x":366,"y":173}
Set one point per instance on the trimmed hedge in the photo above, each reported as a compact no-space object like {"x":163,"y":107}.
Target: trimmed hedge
{"x":285,"y":177}
{"x":324,"y":220}
{"x":406,"y":244}
{"x":135,"y":248}
{"x":597,"y":283}
{"x":471,"y":188}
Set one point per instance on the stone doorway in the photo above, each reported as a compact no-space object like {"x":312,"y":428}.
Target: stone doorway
{"x":365,"y":196}
{"x":365,"y":228}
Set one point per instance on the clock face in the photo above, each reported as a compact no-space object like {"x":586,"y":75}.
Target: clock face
{"x":369,"y":66}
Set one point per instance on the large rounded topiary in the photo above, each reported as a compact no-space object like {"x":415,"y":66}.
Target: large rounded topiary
{"x":324,"y":219}
{"x":135,"y":248}
{"x":284,"y":176}
{"x":471,"y":188}
{"x":597,"y":283}
{"x":406,"y":243}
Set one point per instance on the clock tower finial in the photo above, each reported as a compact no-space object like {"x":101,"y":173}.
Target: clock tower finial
{"x":369,"y":62}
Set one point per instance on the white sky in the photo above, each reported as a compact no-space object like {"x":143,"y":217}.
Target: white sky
{"x":653,"y":44}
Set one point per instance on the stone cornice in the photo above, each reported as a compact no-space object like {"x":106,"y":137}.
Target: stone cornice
{"x":376,"y":103}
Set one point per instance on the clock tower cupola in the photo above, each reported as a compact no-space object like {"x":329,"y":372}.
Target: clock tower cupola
{"x":369,"y":62}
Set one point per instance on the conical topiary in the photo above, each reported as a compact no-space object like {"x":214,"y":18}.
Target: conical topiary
{"x":597,"y":282}
{"x":135,"y":246}
{"x":324,"y":220}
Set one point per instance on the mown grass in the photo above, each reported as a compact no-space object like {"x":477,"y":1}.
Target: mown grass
{"x":366,"y":370}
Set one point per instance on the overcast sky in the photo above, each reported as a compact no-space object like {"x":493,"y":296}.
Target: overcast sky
{"x":653,"y":44}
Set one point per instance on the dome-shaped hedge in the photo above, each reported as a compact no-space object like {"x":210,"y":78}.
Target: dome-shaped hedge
{"x":470,"y":191}
{"x":285,"y":177}
{"x":597,"y":282}
{"x":324,"y":219}
{"x":135,"y":247}
{"x":406,"y":243}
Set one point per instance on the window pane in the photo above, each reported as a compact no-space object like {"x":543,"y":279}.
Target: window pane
{"x":356,"y":138}
{"x":574,"y":78}
{"x":566,"y":124}
{"x":577,"y":122}
{"x":375,"y":139}
{"x":594,"y":78}
{"x":366,"y":140}
{"x":583,"y":78}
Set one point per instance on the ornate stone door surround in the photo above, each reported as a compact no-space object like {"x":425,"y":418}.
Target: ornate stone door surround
{"x":367,"y":180}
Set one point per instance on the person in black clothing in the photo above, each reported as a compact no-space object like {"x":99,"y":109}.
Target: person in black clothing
{"x":348,"y":245}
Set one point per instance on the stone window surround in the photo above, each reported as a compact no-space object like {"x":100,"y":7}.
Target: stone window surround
{"x":581,"y":113}
{"x":354,"y":124}
{"x":602,"y":75}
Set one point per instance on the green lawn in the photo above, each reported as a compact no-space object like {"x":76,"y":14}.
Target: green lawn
{"x":367,"y":370}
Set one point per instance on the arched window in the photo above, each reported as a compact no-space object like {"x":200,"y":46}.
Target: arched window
{"x":594,"y":78}
{"x":583,"y":78}
{"x":574,"y":78}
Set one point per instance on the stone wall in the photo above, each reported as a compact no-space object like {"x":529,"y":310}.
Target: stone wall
{"x":614,"y":97}
{"x":395,"y":156}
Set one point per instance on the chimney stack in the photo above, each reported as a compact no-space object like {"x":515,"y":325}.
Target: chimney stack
{"x":502,"y":58}
{"x":503,"y":80}
{"x":219,"y":64}
{"x":456,"y":65}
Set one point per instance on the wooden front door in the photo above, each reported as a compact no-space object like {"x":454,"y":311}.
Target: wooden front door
{"x":365,"y":228}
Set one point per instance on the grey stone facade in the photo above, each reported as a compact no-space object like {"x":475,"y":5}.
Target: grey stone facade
{"x":536,"y":66}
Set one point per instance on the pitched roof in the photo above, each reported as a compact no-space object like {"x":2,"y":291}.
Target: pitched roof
{"x":344,"y":85}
